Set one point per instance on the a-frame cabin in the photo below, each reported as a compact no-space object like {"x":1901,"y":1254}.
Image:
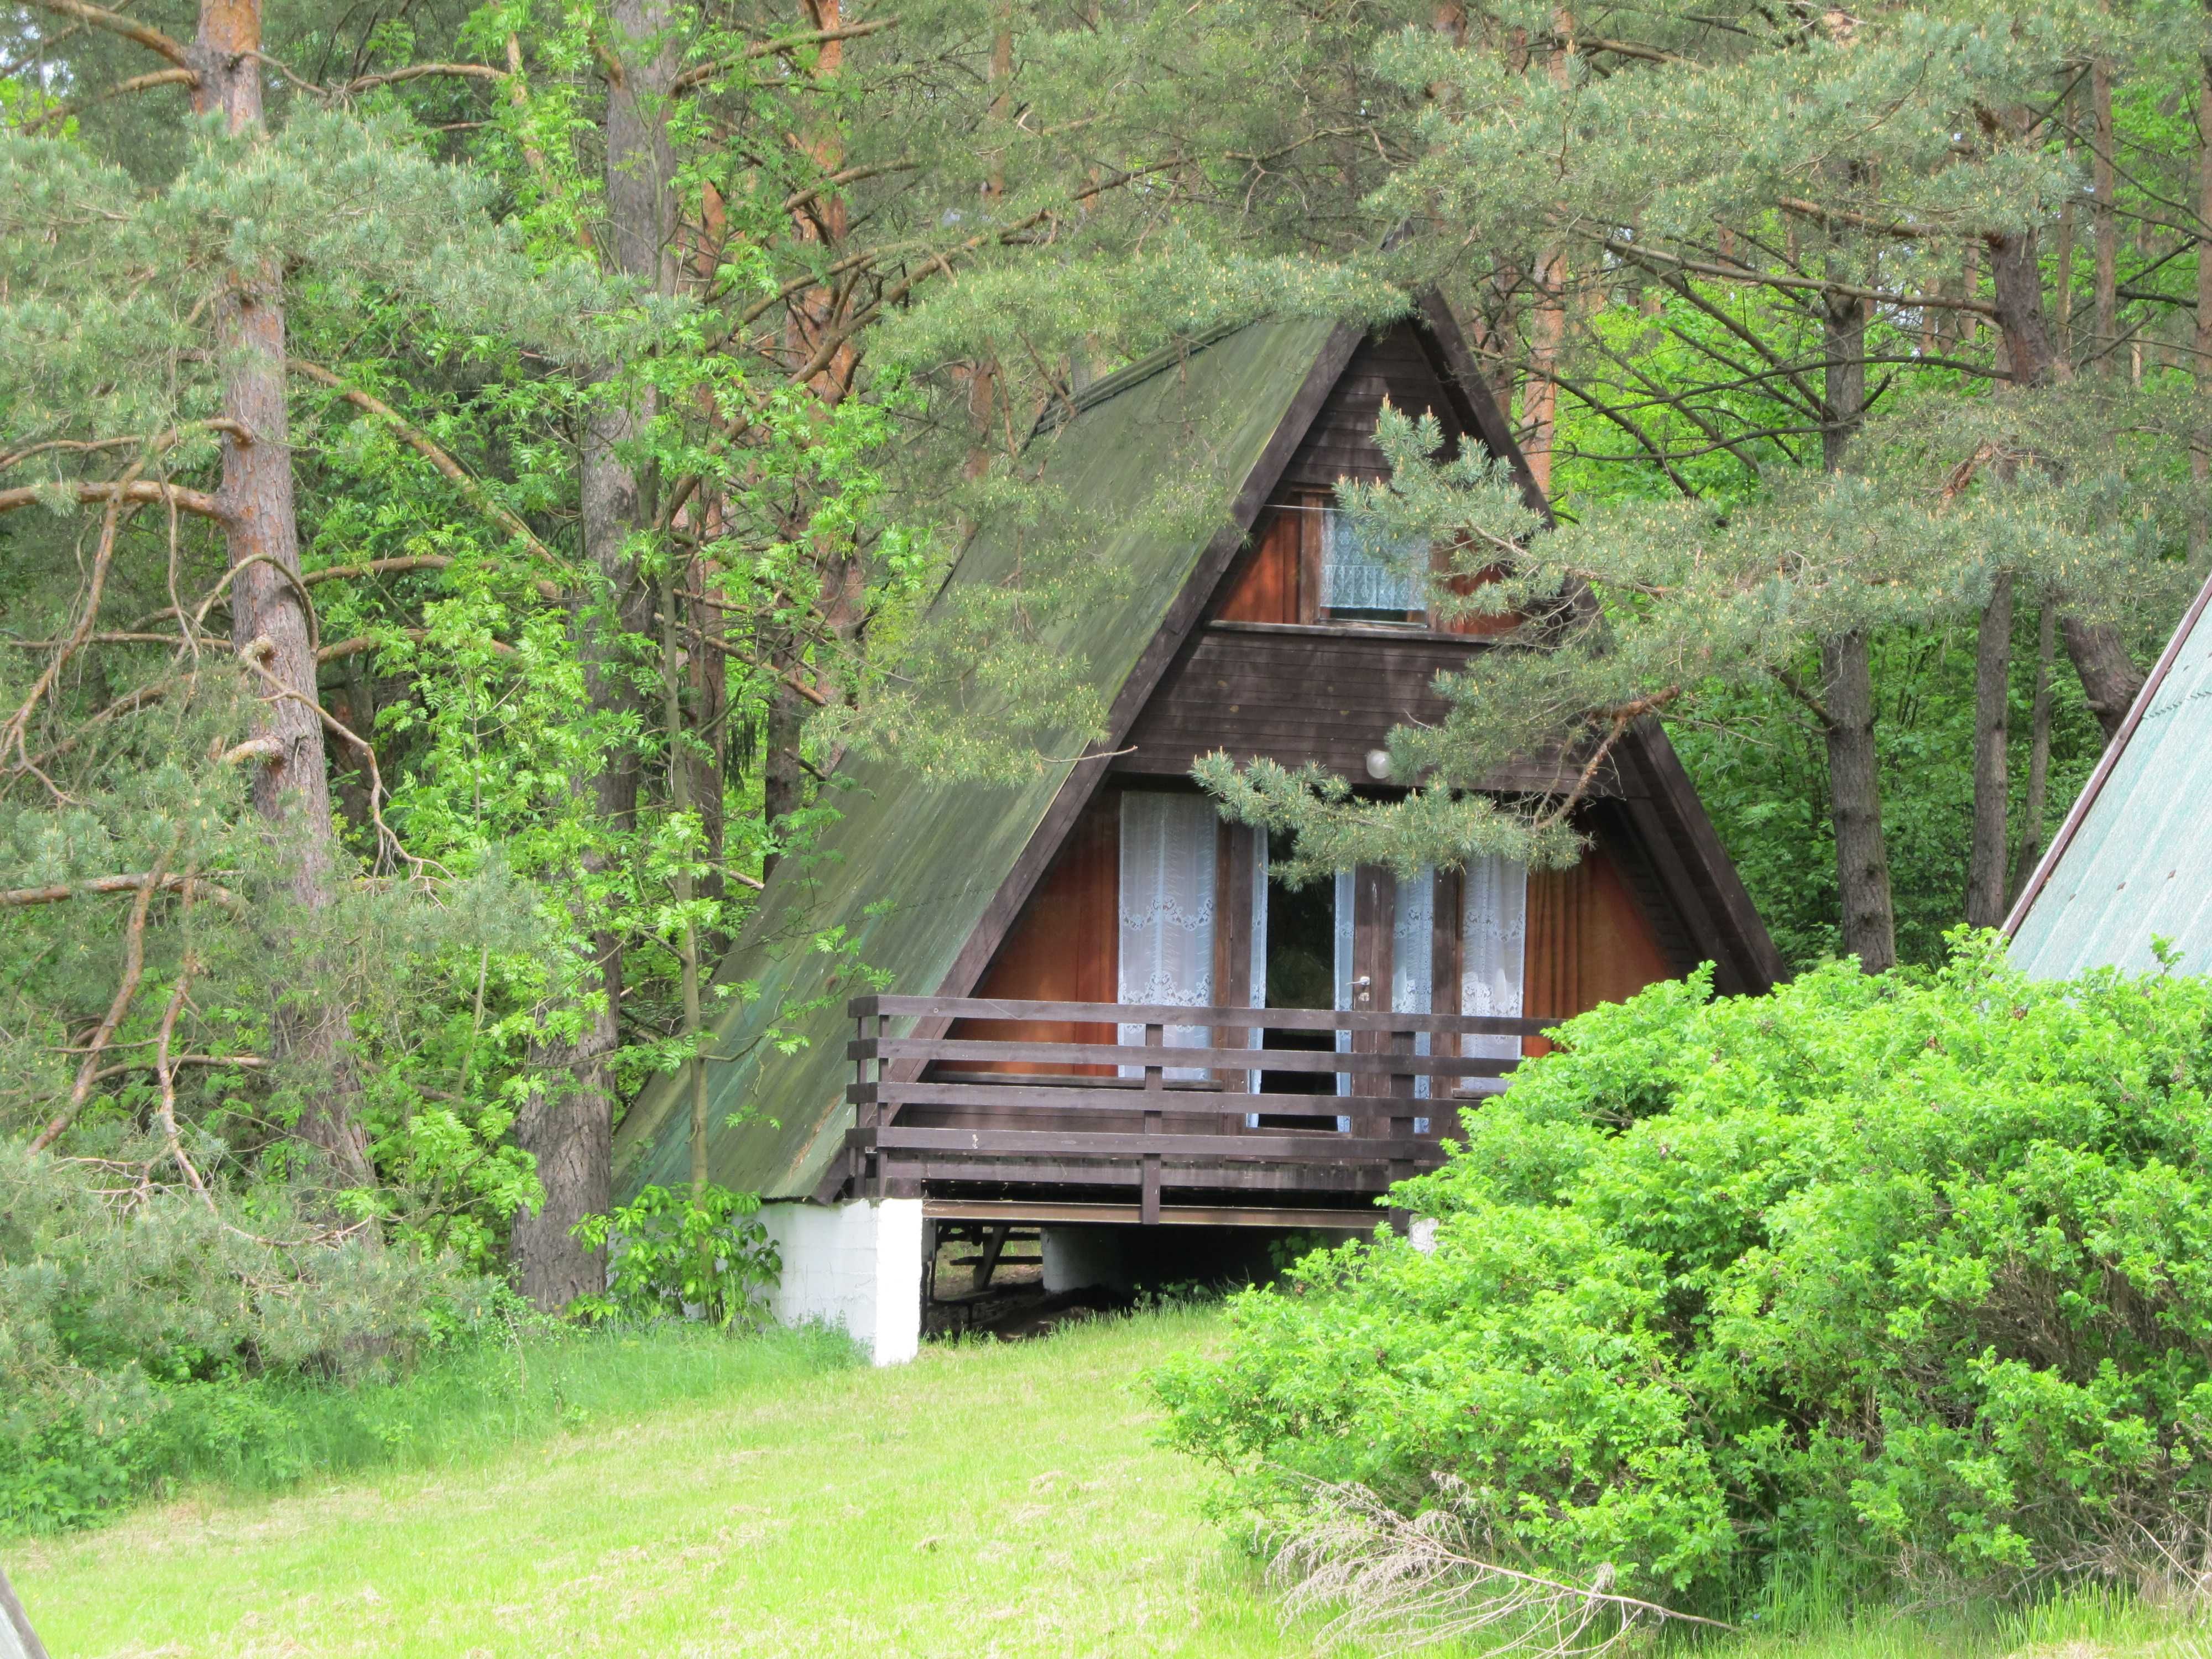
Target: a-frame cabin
{"x":1056,"y":947}
{"x":2108,"y":892}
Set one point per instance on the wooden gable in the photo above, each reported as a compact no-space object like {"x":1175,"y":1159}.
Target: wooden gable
{"x":1400,"y":366}
{"x":932,"y":878}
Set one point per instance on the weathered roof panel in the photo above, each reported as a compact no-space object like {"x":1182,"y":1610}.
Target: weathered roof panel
{"x":2128,"y":866}
{"x":912,"y":865}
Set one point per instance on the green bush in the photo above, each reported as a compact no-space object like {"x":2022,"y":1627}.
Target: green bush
{"x":678,"y":1255}
{"x":119,"y":1308}
{"x":1906,"y":1276}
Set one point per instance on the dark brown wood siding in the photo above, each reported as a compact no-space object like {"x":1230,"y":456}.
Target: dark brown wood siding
{"x":1340,"y":443}
{"x":1329,"y":693}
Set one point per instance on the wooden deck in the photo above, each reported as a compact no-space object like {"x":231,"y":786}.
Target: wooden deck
{"x":1285,"y":1105}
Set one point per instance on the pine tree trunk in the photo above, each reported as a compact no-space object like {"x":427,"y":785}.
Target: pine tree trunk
{"x":1862,"y":891}
{"x":1985,"y":862}
{"x":2110,"y":678}
{"x":782,"y":783}
{"x":2063,"y":267}
{"x":2200,"y":449}
{"x":1869,"y":918}
{"x":710,"y":697}
{"x":570,"y":1129}
{"x":2104,"y":195}
{"x":269,"y":623}
{"x":812,"y":327}
{"x":1547,"y":316}
{"x":1539,"y":396}
{"x":686,"y":938}
{"x":2039,"y":754}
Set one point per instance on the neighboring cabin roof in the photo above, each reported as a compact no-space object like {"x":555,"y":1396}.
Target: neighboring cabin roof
{"x":2128,"y":865}
{"x":912,"y":865}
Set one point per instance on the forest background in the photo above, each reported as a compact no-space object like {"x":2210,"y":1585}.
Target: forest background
{"x":468,"y":473}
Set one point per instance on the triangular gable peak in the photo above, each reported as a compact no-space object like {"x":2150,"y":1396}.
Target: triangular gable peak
{"x":925,"y":877}
{"x":1405,"y":365}
{"x":930,"y":880}
{"x":1281,"y":667}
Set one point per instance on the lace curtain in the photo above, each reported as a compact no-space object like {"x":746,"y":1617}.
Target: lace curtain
{"x":1257,"y":1038}
{"x":1493,"y":950}
{"x":1344,"y":889}
{"x":1357,"y":574}
{"x":1412,"y":961}
{"x":1168,"y":856}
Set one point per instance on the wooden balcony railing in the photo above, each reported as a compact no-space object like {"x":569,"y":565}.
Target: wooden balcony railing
{"x":1231,"y":1113}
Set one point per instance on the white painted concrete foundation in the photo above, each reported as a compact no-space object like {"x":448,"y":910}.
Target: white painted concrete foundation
{"x":857,"y":1266}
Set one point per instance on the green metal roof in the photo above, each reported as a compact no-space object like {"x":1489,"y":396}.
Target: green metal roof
{"x":912,"y":864}
{"x":2130,"y":862}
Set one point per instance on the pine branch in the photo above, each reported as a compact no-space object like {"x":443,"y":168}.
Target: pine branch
{"x":165,"y":1071}
{"x":135,"y":491}
{"x":699,"y":73}
{"x":1622,"y":49}
{"x":1798,"y":689}
{"x":60,"y":113}
{"x":134,"y":968}
{"x":1652,"y":449}
{"x":1827,"y":215}
{"x":367,"y":643}
{"x":331,"y":573}
{"x":255,"y":655}
{"x":116,"y":494}
{"x":144,"y":698}
{"x":115,"y":23}
{"x":420,"y":72}
{"x":1643,"y":255}
{"x":97,"y":887}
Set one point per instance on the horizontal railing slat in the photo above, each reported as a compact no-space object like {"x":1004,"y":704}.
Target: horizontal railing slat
{"x":1130,"y":1013}
{"x":1278,"y":1149}
{"x":1227,"y":1059}
{"x":994,"y":1097}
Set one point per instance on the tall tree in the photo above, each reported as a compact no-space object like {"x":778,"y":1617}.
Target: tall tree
{"x":1847,"y":717}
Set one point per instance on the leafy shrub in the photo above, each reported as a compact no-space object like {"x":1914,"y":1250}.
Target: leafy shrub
{"x":1911,"y":1274}
{"x":114,"y":1310}
{"x":673,"y":1253}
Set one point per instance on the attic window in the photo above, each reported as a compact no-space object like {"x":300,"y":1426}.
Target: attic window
{"x":1363,"y":579}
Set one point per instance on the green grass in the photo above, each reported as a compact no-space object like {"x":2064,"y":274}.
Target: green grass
{"x":984,"y":1499}
{"x":468,"y":1402}
{"x":680,"y":1495}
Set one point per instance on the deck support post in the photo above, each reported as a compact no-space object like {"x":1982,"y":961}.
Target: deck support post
{"x":1402,"y":1088}
{"x":1148,"y":1199}
{"x":995,"y":1241}
{"x":857,"y":1265}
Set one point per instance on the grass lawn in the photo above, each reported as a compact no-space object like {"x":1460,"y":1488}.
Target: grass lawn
{"x":986,"y":1500}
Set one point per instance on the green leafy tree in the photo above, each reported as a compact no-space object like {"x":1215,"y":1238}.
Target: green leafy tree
{"x":1891,"y":1276}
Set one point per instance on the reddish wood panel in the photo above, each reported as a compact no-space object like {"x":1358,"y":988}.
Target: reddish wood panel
{"x":1476,"y":626}
{"x":1589,"y":942}
{"x":1065,"y":946}
{"x":1263,"y":587}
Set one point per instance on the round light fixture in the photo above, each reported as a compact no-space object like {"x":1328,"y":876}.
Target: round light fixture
{"x":1378,"y":764}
